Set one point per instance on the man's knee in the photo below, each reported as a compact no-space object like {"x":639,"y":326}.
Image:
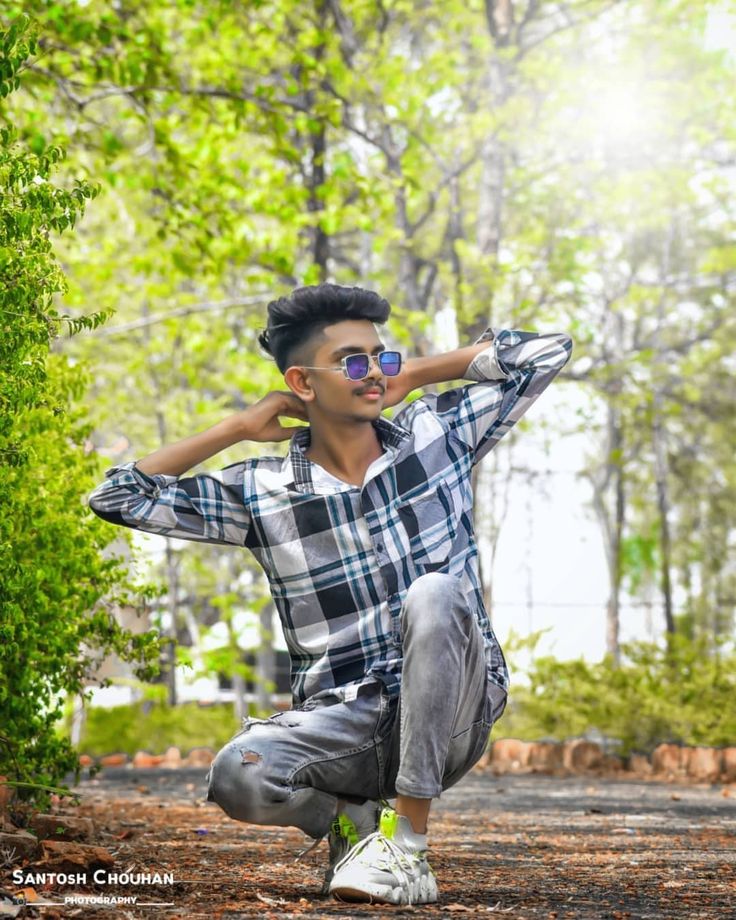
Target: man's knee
{"x":433,"y":584}
{"x":432,"y":597}
{"x":239,"y":783}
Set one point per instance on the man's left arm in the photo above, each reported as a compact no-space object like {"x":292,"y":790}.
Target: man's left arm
{"x":511,"y":369}
{"x":421,"y":372}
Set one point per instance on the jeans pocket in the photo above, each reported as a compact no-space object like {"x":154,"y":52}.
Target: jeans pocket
{"x":496,"y":703}
{"x":465,"y":751}
{"x":386,"y":716}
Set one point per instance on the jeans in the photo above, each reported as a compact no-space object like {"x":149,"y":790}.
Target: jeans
{"x":290,"y":769}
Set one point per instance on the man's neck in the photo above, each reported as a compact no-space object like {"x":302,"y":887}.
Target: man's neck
{"x":345,"y":450}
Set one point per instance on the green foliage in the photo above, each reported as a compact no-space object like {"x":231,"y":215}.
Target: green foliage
{"x":682,"y":693}
{"x":571,"y":173}
{"x":127,"y":729}
{"x":639,"y":560}
{"x":57,"y":593}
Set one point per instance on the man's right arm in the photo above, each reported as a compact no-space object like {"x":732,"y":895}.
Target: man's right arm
{"x":212,"y":507}
{"x":176,"y":459}
{"x":258,"y":422}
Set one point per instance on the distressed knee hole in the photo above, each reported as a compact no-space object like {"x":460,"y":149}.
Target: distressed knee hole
{"x":251,"y":757}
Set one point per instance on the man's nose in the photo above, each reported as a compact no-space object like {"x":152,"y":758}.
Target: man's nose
{"x":374,"y":365}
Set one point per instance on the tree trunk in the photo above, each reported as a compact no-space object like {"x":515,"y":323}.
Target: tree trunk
{"x":660,"y":448}
{"x":171,"y":575}
{"x":612,"y":524}
{"x":613,"y":608}
{"x":172,"y":581}
{"x":320,"y":250}
{"x":489,"y":229}
{"x":79,"y":718}
{"x":317,"y":149}
{"x":266,"y":659}
{"x":484,"y":482}
{"x":663,"y":507}
{"x":238,"y":681}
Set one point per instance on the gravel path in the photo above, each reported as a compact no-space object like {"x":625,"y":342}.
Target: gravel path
{"x":528,"y":846}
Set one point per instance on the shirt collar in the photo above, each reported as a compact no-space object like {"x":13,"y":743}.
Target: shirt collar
{"x":391,"y":436}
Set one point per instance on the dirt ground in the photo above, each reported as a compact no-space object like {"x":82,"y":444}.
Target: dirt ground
{"x":527,"y":846}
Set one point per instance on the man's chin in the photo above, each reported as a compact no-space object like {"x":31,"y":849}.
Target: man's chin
{"x":369,"y":414}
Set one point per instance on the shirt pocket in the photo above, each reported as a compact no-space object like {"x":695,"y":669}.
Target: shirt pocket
{"x":431,"y":526}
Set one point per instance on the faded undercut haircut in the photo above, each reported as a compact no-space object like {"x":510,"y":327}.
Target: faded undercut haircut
{"x":295,"y":323}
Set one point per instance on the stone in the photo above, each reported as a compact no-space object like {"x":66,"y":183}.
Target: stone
{"x":509,"y":754}
{"x":705,"y":763}
{"x":199,"y":757}
{"x":172,"y":758}
{"x":63,"y":856}
{"x":7,"y":794}
{"x":611,"y":763}
{"x":639,"y":764}
{"x":729,"y":764}
{"x":669,"y":759}
{"x":6,"y":824}
{"x":545,"y":756}
{"x":144,"y":760}
{"x":19,"y":845}
{"x":580,"y":755}
{"x":114,"y":760}
{"x":62,"y":827}
{"x":483,"y":761}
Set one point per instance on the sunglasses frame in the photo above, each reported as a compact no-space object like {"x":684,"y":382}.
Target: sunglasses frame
{"x":343,"y":364}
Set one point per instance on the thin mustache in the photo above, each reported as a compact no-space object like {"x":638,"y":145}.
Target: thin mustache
{"x":367,"y":389}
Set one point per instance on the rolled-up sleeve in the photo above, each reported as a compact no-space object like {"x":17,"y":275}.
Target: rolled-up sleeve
{"x":511,"y":374}
{"x":208,"y":507}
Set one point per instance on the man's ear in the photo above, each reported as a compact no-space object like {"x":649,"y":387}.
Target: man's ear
{"x":297,"y":381}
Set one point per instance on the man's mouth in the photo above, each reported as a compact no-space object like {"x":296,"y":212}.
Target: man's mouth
{"x":376,"y":391}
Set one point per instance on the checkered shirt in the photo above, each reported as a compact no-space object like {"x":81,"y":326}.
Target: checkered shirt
{"x":340,"y":558}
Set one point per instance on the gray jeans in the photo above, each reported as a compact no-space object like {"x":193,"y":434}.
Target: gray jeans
{"x":290,"y":769}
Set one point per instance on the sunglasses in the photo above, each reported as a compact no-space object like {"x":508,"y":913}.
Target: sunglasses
{"x":356,"y":367}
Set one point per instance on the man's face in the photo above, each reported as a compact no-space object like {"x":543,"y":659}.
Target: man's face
{"x":329,"y":391}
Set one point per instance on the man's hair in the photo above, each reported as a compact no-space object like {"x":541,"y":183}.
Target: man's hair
{"x":294,"y":322}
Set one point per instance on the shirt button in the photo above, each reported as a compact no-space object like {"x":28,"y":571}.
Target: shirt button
{"x":379,"y":547}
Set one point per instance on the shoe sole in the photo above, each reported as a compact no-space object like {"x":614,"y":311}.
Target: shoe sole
{"x":425,"y":892}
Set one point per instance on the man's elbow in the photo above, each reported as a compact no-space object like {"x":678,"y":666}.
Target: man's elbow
{"x":110,"y":515}
{"x":565,"y":341}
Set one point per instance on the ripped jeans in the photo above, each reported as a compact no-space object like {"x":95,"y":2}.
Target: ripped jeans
{"x":290,"y":769}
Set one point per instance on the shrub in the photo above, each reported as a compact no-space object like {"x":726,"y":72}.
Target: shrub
{"x":680,"y":692}
{"x":57,"y":593}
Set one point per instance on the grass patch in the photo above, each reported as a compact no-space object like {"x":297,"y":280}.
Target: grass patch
{"x":127,"y":729}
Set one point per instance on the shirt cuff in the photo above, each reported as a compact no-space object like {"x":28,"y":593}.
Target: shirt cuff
{"x":485,"y":365}
{"x":149,"y":485}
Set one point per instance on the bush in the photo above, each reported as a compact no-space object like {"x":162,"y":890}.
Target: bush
{"x":127,"y":729}
{"x":57,"y":593}
{"x":682,"y":692}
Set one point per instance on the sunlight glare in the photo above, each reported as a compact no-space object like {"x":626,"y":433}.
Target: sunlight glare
{"x":622,"y":119}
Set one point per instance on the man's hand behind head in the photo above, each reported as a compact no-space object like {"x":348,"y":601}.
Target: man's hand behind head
{"x":260,"y":421}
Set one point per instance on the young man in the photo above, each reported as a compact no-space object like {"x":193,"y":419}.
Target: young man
{"x":365,"y":531}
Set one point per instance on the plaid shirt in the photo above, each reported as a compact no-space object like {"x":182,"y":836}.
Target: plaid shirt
{"x":340,"y":558}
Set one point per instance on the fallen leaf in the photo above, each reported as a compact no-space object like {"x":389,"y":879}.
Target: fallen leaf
{"x":272,"y":902}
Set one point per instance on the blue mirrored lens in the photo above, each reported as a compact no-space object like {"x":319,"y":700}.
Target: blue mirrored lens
{"x":357,"y":366}
{"x":390,"y":362}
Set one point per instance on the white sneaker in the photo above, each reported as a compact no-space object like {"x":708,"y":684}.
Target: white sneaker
{"x":353,"y":824}
{"x":379,"y":869}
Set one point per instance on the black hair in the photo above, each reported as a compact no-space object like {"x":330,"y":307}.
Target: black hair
{"x":296,"y":319}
